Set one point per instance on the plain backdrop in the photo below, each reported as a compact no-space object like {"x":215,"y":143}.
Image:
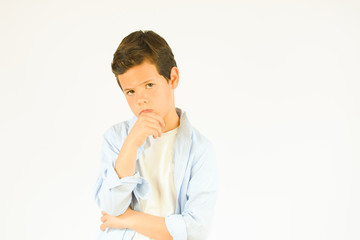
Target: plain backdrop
{"x":273,"y":84}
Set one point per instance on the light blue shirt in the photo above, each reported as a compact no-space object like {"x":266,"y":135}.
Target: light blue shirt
{"x":195,"y":179}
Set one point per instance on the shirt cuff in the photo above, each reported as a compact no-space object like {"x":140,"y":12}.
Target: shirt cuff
{"x":140,"y":185}
{"x":176,"y":226}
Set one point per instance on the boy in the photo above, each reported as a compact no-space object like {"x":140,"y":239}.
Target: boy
{"x":158,"y":177}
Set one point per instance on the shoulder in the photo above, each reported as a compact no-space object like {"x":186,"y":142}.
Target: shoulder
{"x":199,"y":142}
{"x":190,"y":132}
{"x":201,"y":147}
{"x":199,"y":139}
{"x":117,"y":133}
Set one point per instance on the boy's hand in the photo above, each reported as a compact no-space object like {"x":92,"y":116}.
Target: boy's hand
{"x":148,"y":123}
{"x":121,"y":221}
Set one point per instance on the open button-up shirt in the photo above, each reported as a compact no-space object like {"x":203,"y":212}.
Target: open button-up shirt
{"x":195,"y":179}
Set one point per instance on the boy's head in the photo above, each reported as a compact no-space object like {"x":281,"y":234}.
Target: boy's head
{"x":146,"y":72}
{"x":139,"y":46}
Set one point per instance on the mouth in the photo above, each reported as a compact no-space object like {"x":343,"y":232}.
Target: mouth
{"x":145,"y":111}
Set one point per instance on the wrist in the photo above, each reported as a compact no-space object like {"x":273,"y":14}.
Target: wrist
{"x":131,"y":141}
{"x":130,"y":218}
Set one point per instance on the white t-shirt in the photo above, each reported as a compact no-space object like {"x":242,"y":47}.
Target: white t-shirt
{"x":157,"y":167}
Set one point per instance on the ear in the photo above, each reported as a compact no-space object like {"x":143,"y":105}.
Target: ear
{"x":174,"y":77}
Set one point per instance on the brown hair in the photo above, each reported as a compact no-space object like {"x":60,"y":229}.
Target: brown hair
{"x":141,"y":45}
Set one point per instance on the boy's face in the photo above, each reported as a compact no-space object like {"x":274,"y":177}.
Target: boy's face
{"x":146,"y":89}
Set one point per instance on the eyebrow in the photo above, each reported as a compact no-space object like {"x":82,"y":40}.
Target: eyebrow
{"x":126,"y":89}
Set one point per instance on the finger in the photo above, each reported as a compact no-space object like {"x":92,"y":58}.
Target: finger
{"x":150,"y":120}
{"x":103,"y":218}
{"x":155,"y":132}
{"x":103,"y":227}
{"x":153,"y":120}
{"x":156,"y":116}
{"x":153,"y":129}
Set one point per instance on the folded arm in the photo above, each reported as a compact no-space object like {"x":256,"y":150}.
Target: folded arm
{"x":148,"y":225}
{"x":194,"y":222}
{"x":113,"y":193}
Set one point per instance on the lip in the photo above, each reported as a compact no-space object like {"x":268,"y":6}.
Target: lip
{"x":145,"y":111}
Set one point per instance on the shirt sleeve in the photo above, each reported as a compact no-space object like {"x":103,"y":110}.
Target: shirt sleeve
{"x":195,"y":220}
{"x":112,"y":194}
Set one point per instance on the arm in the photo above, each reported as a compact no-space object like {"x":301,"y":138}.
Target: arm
{"x":151,"y":226}
{"x":194,"y":222}
{"x":125,"y":163}
{"x":146,"y":124}
{"x":112,"y":193}
{"x":117,"y":179}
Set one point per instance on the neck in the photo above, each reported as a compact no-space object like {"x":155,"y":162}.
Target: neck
{"x":172,"y":121}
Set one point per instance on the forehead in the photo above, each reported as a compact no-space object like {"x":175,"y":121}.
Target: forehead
{"x":138,"y":74}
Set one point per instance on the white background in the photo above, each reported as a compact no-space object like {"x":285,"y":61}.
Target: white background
{"x":274,"y":85}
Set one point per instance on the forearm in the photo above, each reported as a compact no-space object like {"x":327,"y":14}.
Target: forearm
{"x":151,"y":226}
{"x":126,"y":161}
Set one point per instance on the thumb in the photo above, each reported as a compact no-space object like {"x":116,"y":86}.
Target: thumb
{"x":103,"y":227}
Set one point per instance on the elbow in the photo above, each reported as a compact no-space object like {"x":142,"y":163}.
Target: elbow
{"x":199,"y":230}
{"x":111,"y":210}
{"x":113,"y":204}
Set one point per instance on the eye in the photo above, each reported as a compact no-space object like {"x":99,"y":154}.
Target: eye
{"x":130,"y":92}
{"x":149,"y":85}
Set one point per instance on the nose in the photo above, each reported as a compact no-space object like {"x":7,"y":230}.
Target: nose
{"x":142,"y":99}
